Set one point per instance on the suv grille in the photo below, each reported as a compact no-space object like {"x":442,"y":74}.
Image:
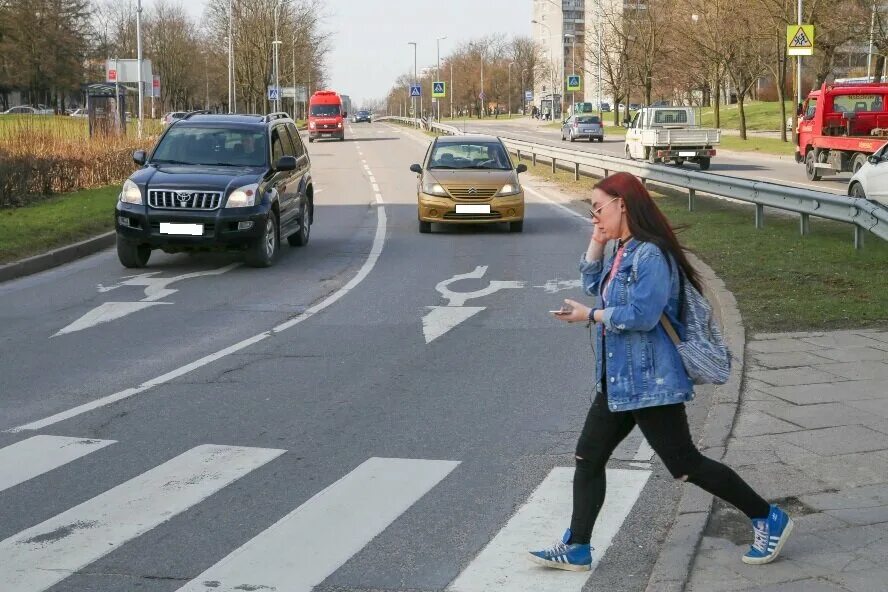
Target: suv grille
{"x":470,"y":191}
{"x":184,"y":200}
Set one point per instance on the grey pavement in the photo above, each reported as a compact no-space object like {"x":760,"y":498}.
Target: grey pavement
{"x":811,"y":434}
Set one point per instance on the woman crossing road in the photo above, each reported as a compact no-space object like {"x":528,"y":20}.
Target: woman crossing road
{"x":639,"y":374}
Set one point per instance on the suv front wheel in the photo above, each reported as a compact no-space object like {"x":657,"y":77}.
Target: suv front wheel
{"x":131,"y":254}
{"x":263,"y":251}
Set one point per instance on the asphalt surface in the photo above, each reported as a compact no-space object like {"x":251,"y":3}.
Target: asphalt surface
{"x":339,"y":370}
{"x":761,"y":167}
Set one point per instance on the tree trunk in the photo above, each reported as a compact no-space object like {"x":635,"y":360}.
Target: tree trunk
{"x":741,"y":97}
{"x":880,"y":67}
{"x":716,"y":105}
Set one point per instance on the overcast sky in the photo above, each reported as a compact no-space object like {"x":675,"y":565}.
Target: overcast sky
{"x":370,"y":36}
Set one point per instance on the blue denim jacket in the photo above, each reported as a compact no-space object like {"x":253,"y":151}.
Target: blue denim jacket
{"x":643,"y":367}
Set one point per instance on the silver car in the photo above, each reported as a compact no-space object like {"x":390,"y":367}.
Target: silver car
{"x":582,"y":126}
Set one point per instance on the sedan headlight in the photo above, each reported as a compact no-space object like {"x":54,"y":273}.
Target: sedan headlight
{"x":434,"y":189}
{"x":243,"y":197}
{"x":510,"y":189}
{"x":131,"y":193}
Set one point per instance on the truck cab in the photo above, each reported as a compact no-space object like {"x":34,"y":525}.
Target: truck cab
{"x":840,"y":126}
{"x":326,"y":116}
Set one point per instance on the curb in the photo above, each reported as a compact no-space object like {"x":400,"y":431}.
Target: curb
{"x":673,"y":567}
{"x":56,"y":257}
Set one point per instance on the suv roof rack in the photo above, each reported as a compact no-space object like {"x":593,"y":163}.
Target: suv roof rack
{"x":198,"y":112}
{"x":274,"y":116}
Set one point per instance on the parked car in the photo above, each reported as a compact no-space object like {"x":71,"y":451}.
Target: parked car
{"x":173,"y":116}
{"x":605,"y":107}
{"x":79,"y":113}
{"x":871,"y":179}
{"x":218,"y":182}
{"x":25,"y":110}
{"x":469,"y":179}
{"x":582,"y":126}
{"x":634,"y":106}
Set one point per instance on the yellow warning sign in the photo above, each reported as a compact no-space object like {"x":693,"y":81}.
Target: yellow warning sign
{"x":800,"y":40}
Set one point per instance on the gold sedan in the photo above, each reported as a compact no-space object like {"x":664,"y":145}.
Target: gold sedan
{"x":469,"y":180}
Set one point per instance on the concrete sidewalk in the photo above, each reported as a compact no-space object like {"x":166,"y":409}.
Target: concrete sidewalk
{"x":811,"y":433}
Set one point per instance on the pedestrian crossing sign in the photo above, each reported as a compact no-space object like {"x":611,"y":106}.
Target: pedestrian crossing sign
{"x":573,"y":83}
{"x":415,"y":90}
{"x":439,"y":90}
{"x":800,"y":40}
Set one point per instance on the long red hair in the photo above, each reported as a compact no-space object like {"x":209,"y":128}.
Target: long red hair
{"x":645,"y":220}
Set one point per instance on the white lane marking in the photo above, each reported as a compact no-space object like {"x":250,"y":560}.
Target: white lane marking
{"x":555,"y":285}
{"x":155,"y":289}
{"x":311,"y":542}
{"x":375,"y":187}
{"x":645,"y":452}
{"x":371,"y":178}
{"x":39,"y":557}
{"x":29,"y":458}
{"x":503,"y":565}
{"x":557,"y":204}
{"x":442,"y":319}
{"x":363,"y":272}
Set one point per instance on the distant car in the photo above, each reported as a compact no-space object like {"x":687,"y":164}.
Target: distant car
{"x":173,"y":116}
{"x":25,"y":110}
{"x":661,"y":104}
{"x":469,"y":179}
{"x":871,"y":179}
{"x":360,"y":116}
{"x":634,"y":106}
{"x":582,"y":126}
{"x":605,"y":107}
{"x":79,"y":113}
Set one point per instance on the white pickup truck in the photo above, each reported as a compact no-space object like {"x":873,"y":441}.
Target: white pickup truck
{"x":661,"y":134}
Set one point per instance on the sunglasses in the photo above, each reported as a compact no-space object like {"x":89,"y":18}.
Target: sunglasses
{"x":594,"y":213}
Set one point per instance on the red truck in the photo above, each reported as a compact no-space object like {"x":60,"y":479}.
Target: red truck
{"x":326,"y":117}
{"x":840,"y":125}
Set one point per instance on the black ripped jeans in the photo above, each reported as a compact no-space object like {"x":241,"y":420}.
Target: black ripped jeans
{"x":666,"y":429}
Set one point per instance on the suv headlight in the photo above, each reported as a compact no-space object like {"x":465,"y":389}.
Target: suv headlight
{"x":311,"y":124}
{"x":510,"y":189}
{"x":243,"y":197}
{"x":131,"y":193}
{"x":434,"y":189}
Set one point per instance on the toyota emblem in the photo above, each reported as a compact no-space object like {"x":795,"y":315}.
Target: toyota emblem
{"x":183,"y":197}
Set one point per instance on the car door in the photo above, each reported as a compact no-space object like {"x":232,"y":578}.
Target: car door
{"x":283,"y":180}
{"x":302,"y":174}
{"x":877,"y":179}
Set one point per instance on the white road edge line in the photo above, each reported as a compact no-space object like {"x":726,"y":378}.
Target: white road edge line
{"x":366,"y":268}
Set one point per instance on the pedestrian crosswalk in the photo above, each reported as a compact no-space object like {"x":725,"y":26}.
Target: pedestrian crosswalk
{"x":306,"y":545}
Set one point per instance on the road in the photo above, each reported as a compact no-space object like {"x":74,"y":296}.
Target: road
{"x":381,"y":410}
{"x":762,"y":167}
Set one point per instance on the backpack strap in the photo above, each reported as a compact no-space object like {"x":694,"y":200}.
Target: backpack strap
{"x":670,"y":330}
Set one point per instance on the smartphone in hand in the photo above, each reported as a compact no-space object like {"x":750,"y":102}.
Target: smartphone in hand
{"x":565,"y":309}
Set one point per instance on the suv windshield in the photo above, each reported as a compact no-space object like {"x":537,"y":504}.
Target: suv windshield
{"x":470,"y":155}
{"x":212,"y":146}
{"x":325,"y":110}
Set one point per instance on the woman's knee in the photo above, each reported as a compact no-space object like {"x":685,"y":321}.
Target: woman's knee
{"x":684,"y":465}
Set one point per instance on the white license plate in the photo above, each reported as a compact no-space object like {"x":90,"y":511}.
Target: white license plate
{"x":472,"y":208}
{"x":325,"y":135}
{"x":687,"y":154}
{"x":187,"y":229}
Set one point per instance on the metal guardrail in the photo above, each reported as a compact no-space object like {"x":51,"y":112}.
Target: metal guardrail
{"x":862,"y":214}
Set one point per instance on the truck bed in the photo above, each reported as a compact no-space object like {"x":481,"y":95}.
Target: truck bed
{"x":680,"y":137}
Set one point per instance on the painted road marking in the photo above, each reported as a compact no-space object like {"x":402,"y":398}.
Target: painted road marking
{"x":29,"y":458}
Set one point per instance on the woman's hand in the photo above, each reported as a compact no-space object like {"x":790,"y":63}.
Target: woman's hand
{"x":598,"y":235}
{"x":578,"y":312}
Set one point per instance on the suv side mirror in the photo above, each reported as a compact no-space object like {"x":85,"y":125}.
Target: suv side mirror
{"x":874,"y":159}
{"x":139,"y":157}
{"x":285,"y":163}
{"x":521,"y":168}
{"x":416,"y":169}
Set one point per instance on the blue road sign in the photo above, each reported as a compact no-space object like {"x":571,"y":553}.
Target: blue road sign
{"x":528,"y":95}
{"x":273,"y":93}
{"x":415,"y":90}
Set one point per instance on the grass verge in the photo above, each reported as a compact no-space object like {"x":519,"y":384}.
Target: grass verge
{"x":56,"y":222}
{"x":782,"y":281}
{"x":759,"y":116}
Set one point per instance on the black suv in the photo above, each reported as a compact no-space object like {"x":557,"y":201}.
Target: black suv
{"x":362,"y":115}
{"x":212,"y":182}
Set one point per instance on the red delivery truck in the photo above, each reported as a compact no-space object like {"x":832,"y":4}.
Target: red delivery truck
{"x":326,"y":118}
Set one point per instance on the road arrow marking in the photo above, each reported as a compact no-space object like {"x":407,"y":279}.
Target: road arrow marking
{"x":442,"y":319}
{"x":106,"y":312}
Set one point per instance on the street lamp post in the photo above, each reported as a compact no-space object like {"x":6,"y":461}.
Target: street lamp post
{"x":573,"y":69}
{"x":437,"y":75}
{"x":231,"y":96}
{"x":139,"y":58}
{"x":413,"y":99}
{"x":523,"y":93}
{"x":510,"y":88}
{"x":277,"y":43}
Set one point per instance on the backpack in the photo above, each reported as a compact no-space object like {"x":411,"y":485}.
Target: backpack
{"x":703,"y":353}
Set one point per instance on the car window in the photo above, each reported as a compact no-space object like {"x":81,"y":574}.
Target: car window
{"x":277,"y":145}
{"x":670,"y":116}
{"x":811,"y":109}
{"x":468,"y":155}
{"x":198,"y":145}
{"x":635,"y":119}
{"x":297,"y":141}
{"x":588,"y":119}
{"x":325,"y":110}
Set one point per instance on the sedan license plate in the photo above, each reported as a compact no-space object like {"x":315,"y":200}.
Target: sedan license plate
{"x":687,"y":154}
{"x":472,"y":208}
{"x":186,"y":229}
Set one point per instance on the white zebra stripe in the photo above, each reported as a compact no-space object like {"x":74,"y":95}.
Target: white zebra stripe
{"x":32,"y":457}
{"x":39,"y":557}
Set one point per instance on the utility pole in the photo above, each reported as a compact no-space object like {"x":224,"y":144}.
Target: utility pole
{"x":482,"y":97}
{"x":799,"y":65}
{"x":573,"y":69}
{"x":451,"y":88}
{"x":869,"y":57}
{"x":277,"y":43}
{"x":207,"y":75}
{"x":139,"y":59}
{"x":510,"y":88}
{"x":412,"y":98}
{"x":437,"y":75}
{"x":231,"y":108}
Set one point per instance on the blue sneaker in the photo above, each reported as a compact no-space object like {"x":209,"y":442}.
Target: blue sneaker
{"x":770,"y":535}
{"x":574,"y":557}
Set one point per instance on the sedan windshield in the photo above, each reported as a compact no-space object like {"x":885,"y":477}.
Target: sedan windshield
{"x":212,"y":146}
{"x":469,"y":155}
{"x":325,"y":110}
